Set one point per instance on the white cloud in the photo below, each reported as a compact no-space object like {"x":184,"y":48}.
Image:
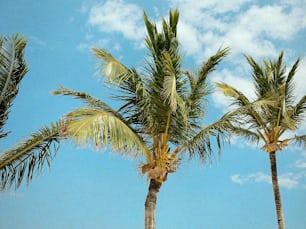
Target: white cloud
{"x":189,"y":35}
{"x":37,"y":41}
{"x":300,"y":88}
{"x":117,"y":16}
{"x":287,"y":180}
{"x":301,"y":162}
{"x":243,"y":25}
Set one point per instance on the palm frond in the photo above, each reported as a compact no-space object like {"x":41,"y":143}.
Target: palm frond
{"x":86,"y":98}
{"x":199,"y":86}
{"x":96,"y":127}
{"x":298,"y":111}
{"x":114,"y":71}
{"x":169,"y":84}
{"x":289,"y":85}
{"x":300,"y":140}
{"x":200,"y":144}
{"x":12,"y":70}
{"x":250,"y":110}
{"x":29,"y":156}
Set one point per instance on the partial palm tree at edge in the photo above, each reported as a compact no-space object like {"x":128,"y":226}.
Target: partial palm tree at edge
{"x":29,"y":156}
{"x":272,"y":114}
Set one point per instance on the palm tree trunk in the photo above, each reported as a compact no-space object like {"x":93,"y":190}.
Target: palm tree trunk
{"x":277,"y":197}
{"x":150,"y":204}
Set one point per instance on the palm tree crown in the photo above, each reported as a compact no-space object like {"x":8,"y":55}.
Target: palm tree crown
{"x":274,"y":111}
{"x":161,"y":109}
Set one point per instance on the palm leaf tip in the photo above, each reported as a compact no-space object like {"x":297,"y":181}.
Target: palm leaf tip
{"x":227,"y":90}
{"x":28,"y":157}
{"x":114,"y":71}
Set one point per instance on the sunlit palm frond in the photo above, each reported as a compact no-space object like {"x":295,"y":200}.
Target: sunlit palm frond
{"x":114,"y":71}
{"x":29,"y":156}
{"x":169,"y":91}
{"x":96,"y":127}
{"x":169,"y":85}
{"x":231,"y":92}
{"x":12,"y":70}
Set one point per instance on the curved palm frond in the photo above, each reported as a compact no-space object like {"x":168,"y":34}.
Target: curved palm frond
{"x":29,"y":156}
{"x":114,"y":71}
{"x":200,"y":144}
{"x":199,"y":88}
{"x":102,"y":128}
{"x":12,"y":70}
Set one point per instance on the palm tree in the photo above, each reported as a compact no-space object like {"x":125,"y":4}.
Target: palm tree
{"x":31,"y":154}
{"x":160,"y":114}
{"x":271,"y":115}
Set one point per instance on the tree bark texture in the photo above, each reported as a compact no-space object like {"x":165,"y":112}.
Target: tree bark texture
{"x":150,"y":204}
{"x":277,"y":197}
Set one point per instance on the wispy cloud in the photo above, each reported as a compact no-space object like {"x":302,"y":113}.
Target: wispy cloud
{"x":117,"y":16}
{"x":37,"y":41}
{"x":287,"y":180}
{"x":301,"y":162}
{"x":13,"y":194}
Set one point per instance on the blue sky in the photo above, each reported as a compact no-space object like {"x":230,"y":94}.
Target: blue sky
{"x":89,"y":189}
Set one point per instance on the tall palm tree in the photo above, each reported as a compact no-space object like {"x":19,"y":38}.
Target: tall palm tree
{"x":30,"y":155}
{"x":272,"y":116}
{"x":160,"y":114}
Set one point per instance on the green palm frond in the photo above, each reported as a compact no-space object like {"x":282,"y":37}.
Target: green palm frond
{"x":12,"y":70}
{"x":200,"y":144}
{"x":86,"y":98}
{"x":289,"y":85}
{"x":199,"y":86}
{"x":96,"y":127}
{"x":29,"y":156}
{"x":298,"y":111}
{"x":300,"y":140}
